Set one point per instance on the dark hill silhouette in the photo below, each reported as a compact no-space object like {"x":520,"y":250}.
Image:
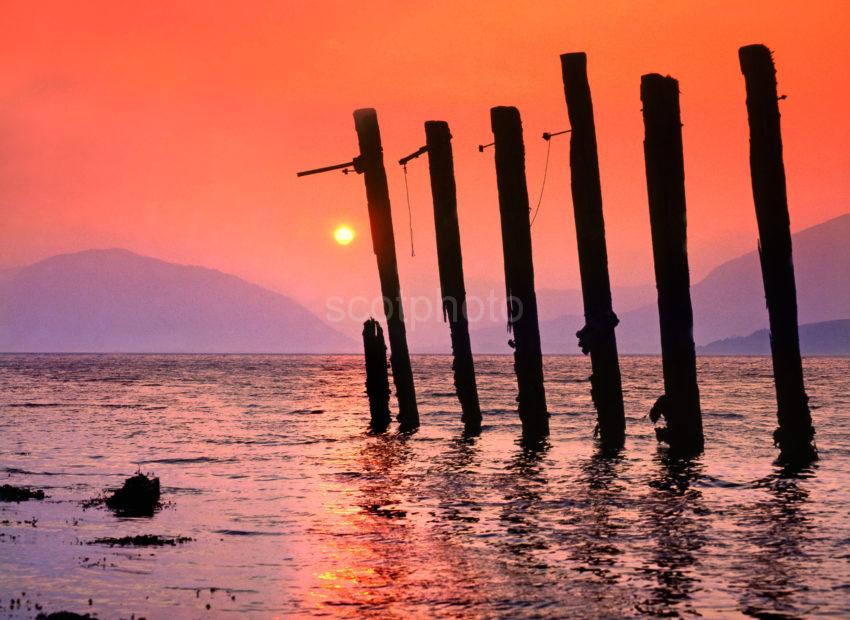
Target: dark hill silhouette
{"x":728,"y":302}
{"x":827,"y":338}
{"x":117,"y":301}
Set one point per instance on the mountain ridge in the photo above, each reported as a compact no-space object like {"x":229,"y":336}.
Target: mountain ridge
{"x":828,"y":338}
{"x":728,"y":302}
{"x":114,"y":300}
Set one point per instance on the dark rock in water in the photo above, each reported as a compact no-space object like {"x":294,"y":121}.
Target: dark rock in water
{"x":62,"y":615}
{"x":139,"y":497}
{"x":142,"y":540}
{"x":8,"y":493}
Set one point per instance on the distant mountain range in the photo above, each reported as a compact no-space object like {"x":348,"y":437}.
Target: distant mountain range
{"x":827,"y":338}
{"x":729,"y":302}
{"x":117,"y":301}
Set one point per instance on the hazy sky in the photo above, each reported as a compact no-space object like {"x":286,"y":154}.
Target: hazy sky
{"x":174,"y":129}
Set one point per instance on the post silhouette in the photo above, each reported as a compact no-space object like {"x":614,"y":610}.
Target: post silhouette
{"x":519,"y":270}
{"x":443,"y":191}
{"x":665,"y":181}
{"x":371,"y":164}
{"x":597,"y":336}
{"x":795,"y":435}
{"x":377,"y":381}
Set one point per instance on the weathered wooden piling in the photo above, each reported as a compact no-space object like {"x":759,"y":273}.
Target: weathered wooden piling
{"x":597,"y":336}
{"x":665,"y":181}
{"x":795,"y":435}
{"x":438,"y":143}
{"x":377,"y":379}
{"x":371,"y":164}
{"x":519,"y":270}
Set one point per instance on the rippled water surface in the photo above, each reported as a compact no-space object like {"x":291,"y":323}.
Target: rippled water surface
{"x":295,"y":510}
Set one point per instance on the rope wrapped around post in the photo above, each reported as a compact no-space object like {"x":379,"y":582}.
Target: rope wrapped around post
{"x":595,"y":330}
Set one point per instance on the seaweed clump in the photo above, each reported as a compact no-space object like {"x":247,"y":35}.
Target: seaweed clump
{"x":142,"y":540}
{"x":138,"y":497}
{"x":8,"y":493}
{"x":62,"y":615}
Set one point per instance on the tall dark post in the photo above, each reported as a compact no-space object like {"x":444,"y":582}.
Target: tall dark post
{"x":795,"y":435}
{"x":371,"y":163}
{"x":597,"y":336}
{"x":519,"y":270}
{"x":438,"y":141}
{"x":377,"y":381}
{"x":665,"y":182}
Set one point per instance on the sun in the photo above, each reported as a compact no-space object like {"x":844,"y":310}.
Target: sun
{"x":343,"y":235}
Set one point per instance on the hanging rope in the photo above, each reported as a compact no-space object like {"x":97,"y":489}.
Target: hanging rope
{"x":543,"y":184}
{"x":409,"y":212}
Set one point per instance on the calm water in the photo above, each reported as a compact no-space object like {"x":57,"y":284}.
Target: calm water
{"x":295,"y":510}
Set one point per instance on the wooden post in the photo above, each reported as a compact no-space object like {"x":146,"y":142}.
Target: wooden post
{"x":795,"y":435}
{"x":665,"y":181}
{"x":519,"y":270}
{"x":377,"y":381}
{"x":438,"y":142}
{"x":597,"y":336}
{"x":371,"y":164}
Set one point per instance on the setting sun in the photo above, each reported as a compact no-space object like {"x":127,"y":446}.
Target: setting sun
{"x":343,"y":235}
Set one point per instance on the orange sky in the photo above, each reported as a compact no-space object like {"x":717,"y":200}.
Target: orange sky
{"x":174,"y":129}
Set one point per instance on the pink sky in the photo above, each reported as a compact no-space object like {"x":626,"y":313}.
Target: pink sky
{"x":175,"y":129}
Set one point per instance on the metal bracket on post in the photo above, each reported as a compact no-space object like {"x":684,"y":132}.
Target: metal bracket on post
{"x":548,"y":136}
{"x":421,"y":150}
{"x":350,"y":166}
{"x":403,"y":163}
